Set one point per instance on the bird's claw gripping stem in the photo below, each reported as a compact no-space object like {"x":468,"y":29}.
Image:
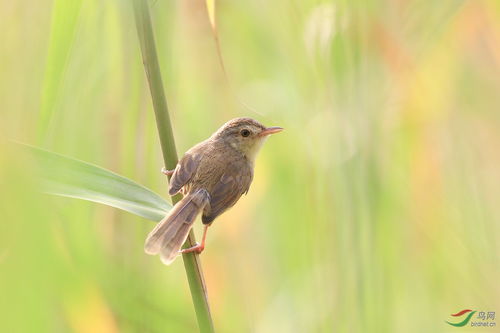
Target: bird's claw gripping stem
{"x":198,"y":248}
{"x":167,"y":172}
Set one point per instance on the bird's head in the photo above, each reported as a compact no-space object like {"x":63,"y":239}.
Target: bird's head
{"x":245,"y":135}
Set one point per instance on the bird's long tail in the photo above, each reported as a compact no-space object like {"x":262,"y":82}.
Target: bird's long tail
{"x":171,"y":232}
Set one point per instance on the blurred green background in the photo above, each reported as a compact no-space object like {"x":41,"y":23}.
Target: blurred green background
{"x":375,"y":211}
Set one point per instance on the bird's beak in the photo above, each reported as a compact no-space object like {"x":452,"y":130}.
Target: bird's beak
{"x":270,"y":130}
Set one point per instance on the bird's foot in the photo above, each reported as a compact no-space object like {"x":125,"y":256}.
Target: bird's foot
{"x":167,"y":172}
{"x":198,"y":248}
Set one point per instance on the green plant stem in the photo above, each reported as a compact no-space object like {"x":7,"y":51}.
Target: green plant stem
{"x":192,"y":263}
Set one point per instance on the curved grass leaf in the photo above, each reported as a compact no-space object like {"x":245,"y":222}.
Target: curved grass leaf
{"x":68,"y":177}
{"x":211,"y":12}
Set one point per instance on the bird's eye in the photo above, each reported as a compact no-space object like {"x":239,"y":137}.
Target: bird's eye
{"x":245,"y":133}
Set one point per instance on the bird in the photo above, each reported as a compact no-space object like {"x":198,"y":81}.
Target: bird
{"x":212,"y":176}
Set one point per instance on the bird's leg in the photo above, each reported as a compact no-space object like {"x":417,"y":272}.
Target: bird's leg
{"x":167,"y":172}
{"x":198,"y":248}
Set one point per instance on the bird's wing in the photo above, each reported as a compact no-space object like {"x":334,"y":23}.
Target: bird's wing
{"x":183,"y":172}
{"x":233,"y":184}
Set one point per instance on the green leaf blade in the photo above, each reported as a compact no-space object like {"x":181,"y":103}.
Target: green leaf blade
{"x":68,"y":177}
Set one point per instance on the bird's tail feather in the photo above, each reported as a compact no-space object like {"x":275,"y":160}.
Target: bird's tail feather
{"x":171,"y":232}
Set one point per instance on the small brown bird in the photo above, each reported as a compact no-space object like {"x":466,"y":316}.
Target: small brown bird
{"x":212,"y":176}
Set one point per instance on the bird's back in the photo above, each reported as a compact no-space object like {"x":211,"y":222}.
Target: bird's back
{"x":223,"y":172}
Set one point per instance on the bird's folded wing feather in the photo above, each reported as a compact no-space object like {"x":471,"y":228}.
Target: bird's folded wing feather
{"x":233,"y":184}
{"x":183,"y":172}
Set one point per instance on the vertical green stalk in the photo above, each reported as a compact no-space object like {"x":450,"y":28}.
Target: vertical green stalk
{"x":192,"y":263}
